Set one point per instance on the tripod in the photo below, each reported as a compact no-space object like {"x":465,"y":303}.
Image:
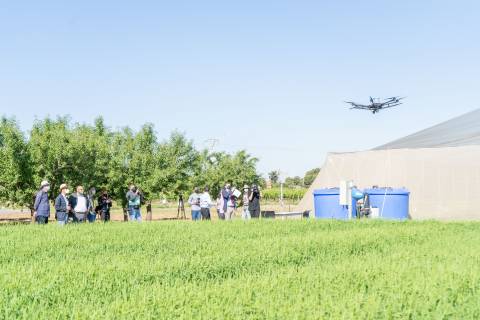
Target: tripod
{"x":181,"y":208}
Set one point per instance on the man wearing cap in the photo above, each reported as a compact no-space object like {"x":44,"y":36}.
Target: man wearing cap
{"x":80,"y":205}
{"x":62,"y":207}
{"x":246,"y":201}
{"x":42,"y":206}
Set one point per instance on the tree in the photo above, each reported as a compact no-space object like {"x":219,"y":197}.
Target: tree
{"x":274,"y":176}
{"x":95,"y":156}
{"x":310,"y":176}
{"x":178,"y":163}
{"x":49,"y":146}
{"x":220,"y":167}
{"x":16,"y":182}
{"x":294,"y":182}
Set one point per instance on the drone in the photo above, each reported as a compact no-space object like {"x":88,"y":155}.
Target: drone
{"x":376,"y":105}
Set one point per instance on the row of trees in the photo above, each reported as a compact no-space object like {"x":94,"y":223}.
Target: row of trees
{"x":96,"y":156}
{"x":295,"y":182}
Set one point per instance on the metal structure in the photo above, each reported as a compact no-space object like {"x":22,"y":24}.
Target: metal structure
{"x":376,"y":104}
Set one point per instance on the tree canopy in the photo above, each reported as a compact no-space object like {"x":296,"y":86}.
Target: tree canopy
{"x":60,"y":151}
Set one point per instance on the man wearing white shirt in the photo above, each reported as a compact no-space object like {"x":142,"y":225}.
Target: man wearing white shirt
{"x":205,"y":204}
{"x":80,"y":205}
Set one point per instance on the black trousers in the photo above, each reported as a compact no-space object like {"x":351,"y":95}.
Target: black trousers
{"x":205,"y":213}
{"x":106,"y":216}
{"x":255,"y":212}
{"x":41,"y":220}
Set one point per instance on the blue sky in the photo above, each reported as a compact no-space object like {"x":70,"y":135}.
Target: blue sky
{"x":266,"y":76}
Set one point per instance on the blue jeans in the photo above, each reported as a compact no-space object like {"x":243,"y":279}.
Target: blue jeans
{"x":91,"y":217}
{"x":246,"y":214}
{"x":41,"y":220}
{"x":196,"y":215}
{"x":62,"y":218}
{"x":135,"y":214}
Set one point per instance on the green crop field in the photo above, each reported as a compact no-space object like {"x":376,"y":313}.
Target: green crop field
{"x":258,"y":270}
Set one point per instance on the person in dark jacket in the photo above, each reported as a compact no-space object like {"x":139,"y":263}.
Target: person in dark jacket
{"x":41,"y":206}
{"x":81,"y":205}
{"x":254,"y":197}
{"x":104,"y":205}
{"x":62,"y":207}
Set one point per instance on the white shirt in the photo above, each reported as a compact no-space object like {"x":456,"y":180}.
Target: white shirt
{"x":66,"y":199}
{"x":205,"y":200}
{"x":194,"y":201}
{"x":81,"y":204}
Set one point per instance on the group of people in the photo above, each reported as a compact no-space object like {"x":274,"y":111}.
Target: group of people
{"x":80,"y":207}
{"x":201,"y":202}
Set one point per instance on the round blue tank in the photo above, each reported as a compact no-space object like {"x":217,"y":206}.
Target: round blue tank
{"x":391,"y":203}
{"x":326,"y":202}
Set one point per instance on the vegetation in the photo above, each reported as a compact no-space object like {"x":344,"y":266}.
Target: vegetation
{"x":96,"y":156}
{"x":310,"y":177}
{"x":295,"y":194}
{"x":258,"y":270}
{"x":294,"y":182}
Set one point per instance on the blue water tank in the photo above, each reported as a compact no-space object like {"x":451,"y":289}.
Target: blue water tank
{"x":327,"y":205}
{"x":391,"y":203}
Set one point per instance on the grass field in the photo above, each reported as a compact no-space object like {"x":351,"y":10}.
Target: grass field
{"x":256,"y":270}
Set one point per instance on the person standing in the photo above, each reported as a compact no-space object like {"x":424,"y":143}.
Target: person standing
{"x":41,"y":206}
{"x":205,"y":204}
{"x":220,"y":210}
{"x":231,"y":205}
{"x":134,"y":199}
{"x":246,"y":201}
{"x":194,"y":201}
{"x":254,"y":202}
{"x":104,"y":205}
{"x":80,"y":205}
{"x":62,"y":207}
{"x":92,"y":215}
{"x":225,"y":197}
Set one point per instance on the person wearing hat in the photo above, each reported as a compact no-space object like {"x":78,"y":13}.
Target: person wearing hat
{"x":205,"y":204}
{"x":41,"y":206}
{"x":246,"y":201}
{"x":194,"y":201}
{"x":62,"y":206}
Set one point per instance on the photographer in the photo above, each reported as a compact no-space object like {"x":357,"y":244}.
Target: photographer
{"x":194,"y":200}
{"x":254,"y":201}
{"x":104,"y":205}
{"x":134,"y":198}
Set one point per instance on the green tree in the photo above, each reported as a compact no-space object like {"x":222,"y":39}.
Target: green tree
{"x":310,"y":176}
{"x":294,"y":182}
{"x":50,"y":149}
{"x":274,"y":176}
{"x":16,"y":182}
{"x":178,"y":164}
{"x":220,"y":167}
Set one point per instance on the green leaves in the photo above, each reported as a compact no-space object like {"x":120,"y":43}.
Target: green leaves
{"x":96,"y":156}
{"x":16,"y":185}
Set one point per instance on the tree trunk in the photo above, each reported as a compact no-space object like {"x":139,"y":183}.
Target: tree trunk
{"x":31,"y":214}
{"x":125,"y":215}
{"x":149,"y":211}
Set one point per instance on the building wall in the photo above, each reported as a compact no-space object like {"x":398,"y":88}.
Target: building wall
{"x":444,"y":182}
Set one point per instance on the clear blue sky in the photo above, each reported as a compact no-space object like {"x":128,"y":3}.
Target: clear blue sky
{"x":267,"y":76}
